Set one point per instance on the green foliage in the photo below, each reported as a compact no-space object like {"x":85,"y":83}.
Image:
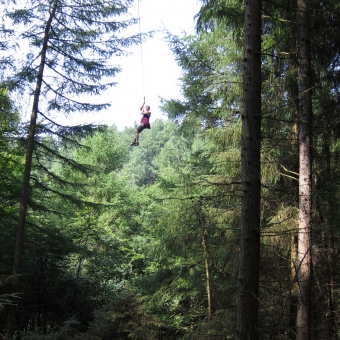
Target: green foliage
{"x":185,"y":206}
{"x":124,"y":317}
{"x":211,"y":82}
{"x":9,"y":117}
{"x":11,"y":167}
{"x":226,"y":13}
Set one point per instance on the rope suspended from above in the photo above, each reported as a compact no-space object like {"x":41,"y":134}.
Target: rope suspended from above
{"x":141,"y":52}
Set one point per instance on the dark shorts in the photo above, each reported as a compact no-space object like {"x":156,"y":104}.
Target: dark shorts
{"x":143,"y":126}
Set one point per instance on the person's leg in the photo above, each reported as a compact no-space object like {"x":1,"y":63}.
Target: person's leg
{"x":134,"y":141}
{"x":140,"y":128}
{"x":137,"y":136}
{"x":138,"y":131}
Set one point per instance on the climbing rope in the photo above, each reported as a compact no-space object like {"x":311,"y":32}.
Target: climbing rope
{"x":141,"y":52}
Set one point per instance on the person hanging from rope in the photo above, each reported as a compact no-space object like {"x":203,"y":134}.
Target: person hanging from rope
{"x":144,"y":123}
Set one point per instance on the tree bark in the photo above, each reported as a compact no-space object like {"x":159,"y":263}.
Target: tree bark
{"x":326,"y":214}
{"x":294,"y":94}
{"x":207,"y":273}
{"x":294,"y":288}
{"x":19,"y":245}
{"x":248,"y":283}
{"x":330,"y":315}
{"x":305,"y":177}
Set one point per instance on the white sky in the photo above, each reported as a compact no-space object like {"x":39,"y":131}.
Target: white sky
{"x":154,"y":60}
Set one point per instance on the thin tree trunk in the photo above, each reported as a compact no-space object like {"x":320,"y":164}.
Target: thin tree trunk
{"x":207,"y":273}
{"x":294,"y":94}
{"x":248,"y":282}
{"x":328,"y":229}
{"x":330,"y":315}
{"x":294,"y":289}
{"x":18,"y":255}
{"x":305,"y":178}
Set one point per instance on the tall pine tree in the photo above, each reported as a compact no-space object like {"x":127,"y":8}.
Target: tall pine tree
{"x":69,"y":48}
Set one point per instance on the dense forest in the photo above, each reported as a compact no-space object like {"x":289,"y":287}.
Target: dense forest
{"x":221,"y":224}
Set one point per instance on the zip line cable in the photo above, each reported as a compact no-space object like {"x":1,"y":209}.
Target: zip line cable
{"x":141,"y":52}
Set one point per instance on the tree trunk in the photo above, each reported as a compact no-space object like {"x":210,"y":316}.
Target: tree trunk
{"x":294,"y":289}
{"x":18,"y":255}
{"x":326,"y":214}
{"x":294,"y":94}
{"x":305,"y":177}
{"x":248,"y":283}
{"x":330,"y":315}
{"x":207,"y":273}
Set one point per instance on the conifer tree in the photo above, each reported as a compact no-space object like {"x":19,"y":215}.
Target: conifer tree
{"x":76,"y":43}
{"x":69,"y":49}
